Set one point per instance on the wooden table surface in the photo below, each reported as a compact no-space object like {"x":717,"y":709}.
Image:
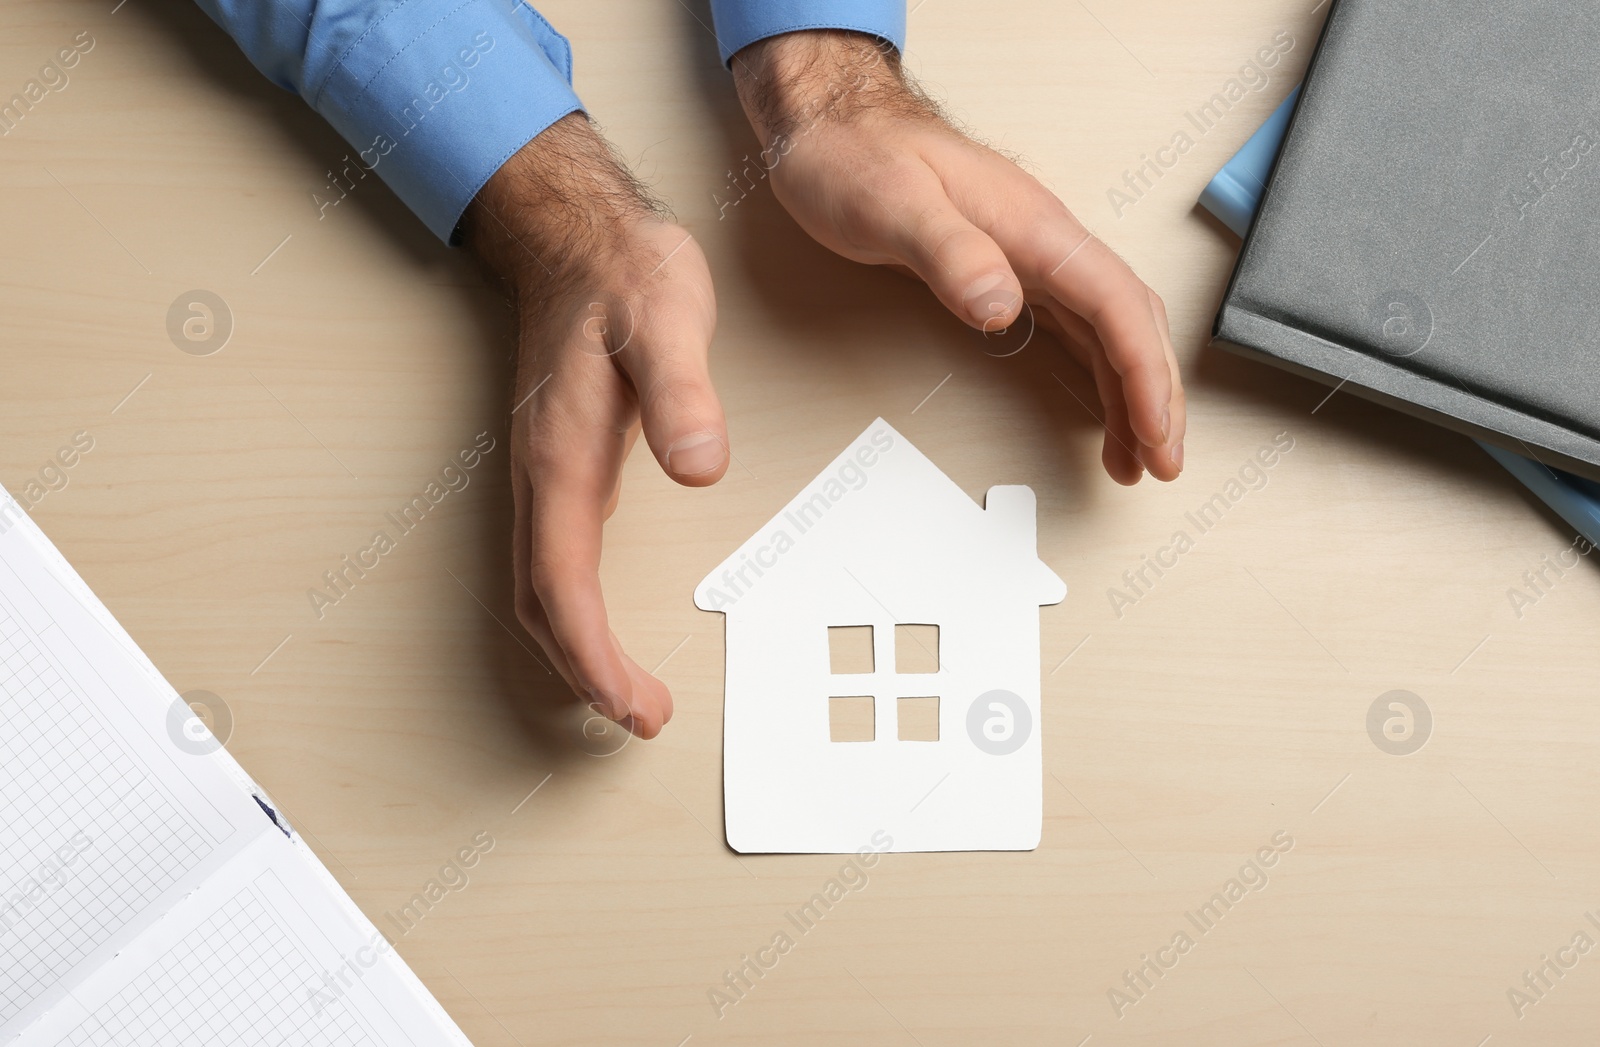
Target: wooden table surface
{"x":1225,"y":708}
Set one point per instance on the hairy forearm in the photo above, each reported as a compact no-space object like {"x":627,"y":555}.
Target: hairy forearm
{"x":556,"y":206}
{"x":789,"y":83}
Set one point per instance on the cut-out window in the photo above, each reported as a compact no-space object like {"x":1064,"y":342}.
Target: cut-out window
{"x":916,"y":648}
{"x":918,"y":718}
{"x":850,"y":648}
{"x":851,"y":718}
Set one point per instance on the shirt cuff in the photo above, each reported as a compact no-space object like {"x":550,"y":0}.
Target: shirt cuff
{"x":436,"y":102}
{"x":743,"y":22}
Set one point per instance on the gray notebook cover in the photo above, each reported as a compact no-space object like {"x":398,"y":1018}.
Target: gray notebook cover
{"x":1430,"y":236}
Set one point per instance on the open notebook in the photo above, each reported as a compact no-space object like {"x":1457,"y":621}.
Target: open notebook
{"x":148,"y":892}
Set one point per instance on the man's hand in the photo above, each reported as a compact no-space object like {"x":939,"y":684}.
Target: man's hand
{"x":615,"y":313}
{"x":869,"y":167}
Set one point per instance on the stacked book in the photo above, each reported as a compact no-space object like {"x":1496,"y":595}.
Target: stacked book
{"x":1422,"y":223}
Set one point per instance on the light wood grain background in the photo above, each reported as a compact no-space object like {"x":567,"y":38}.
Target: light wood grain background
{"x":1228,"y":704}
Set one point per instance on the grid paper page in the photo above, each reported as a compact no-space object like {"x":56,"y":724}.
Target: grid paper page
{"x":145,"y":897}
{"x":268,"y":953}
{"x":237,"y":979}
{"x":90,"y":839}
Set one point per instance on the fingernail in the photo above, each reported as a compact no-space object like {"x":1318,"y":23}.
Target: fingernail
{"x":695,"y":454}
{"x":1177,"y":456}
{"x":988,"y":298}
{"x":1166,"y":423}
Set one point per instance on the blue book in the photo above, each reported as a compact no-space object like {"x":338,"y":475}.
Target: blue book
{"x":1233,"y":196}
{"x":1235,"y":192}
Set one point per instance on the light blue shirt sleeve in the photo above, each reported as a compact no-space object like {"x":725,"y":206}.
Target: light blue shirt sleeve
{"x":743,"y":22}
{"x":434,"y":95}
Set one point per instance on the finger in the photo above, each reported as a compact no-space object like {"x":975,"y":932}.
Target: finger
{"x":651,"y":705}
{"x":962,"y":265}
{"x":1094,"y":283}
{"x":1054,"y":252}
{"x":1118,"y":452}
{"x":574,"y":455}
{"x":616,"y":490}
{"x":1164,"y":463}
{"x":1180,"y":400}
{"x":529,"y":613}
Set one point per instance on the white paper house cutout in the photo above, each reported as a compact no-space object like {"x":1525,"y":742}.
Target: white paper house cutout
{"x":883,"y":538}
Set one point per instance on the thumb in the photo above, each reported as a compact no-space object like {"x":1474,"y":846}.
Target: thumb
{"x":962,"y":265}
{"x":678,"y":406}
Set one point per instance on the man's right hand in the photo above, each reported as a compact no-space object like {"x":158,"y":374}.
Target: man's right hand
{"x":615,"y":312}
